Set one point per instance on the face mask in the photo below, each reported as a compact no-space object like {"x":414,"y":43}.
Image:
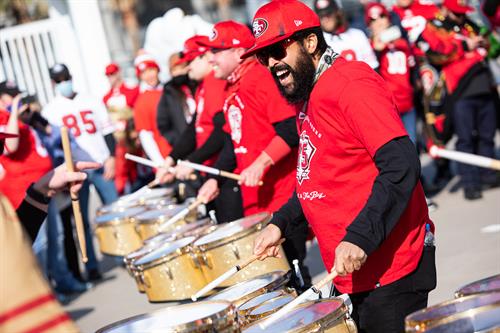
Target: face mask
{"x":65,"y":88}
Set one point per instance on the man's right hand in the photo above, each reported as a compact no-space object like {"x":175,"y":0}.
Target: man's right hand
{"x":267,"y":242}
{"x":208,"y":191}
{"x":163,"y":174}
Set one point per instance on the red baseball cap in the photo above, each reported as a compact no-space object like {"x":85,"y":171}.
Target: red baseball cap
{"x":375,"y":10}
{"x":4,"y":135}
{"x":458,"y":6}
{"x":112,"y":68}
{"x":193,"y":48}
{"x":229,"y":34}
{"x":143,"y":62}
{"x":279,"y":20}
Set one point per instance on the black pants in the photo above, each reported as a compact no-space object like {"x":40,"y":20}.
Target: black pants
{"x":295,"y":248}
{"x":228,"y":204}
{"x":385,"y":308}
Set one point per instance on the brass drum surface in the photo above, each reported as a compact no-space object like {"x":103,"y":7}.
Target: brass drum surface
{"x":487,"y":285}
{"x":246,"y":290}
{"x":171,"y":272}
{"x":116,"y":232}
{"x":226,"y":246}
{"x":199,"y":317}
{"x":130,"y":258}
{"x":474,"y":313}
{"x":326,"y":315}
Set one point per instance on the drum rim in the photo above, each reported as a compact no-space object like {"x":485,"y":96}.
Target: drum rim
{"x":272,"y":286}
{"x":244,"y":311}
{"x":224,"y":241}
{"x":160,"y":219}
{"x":221,"y":316}
{"x":460,"y":292}
{"x":326,"y":320}
{"x":167,"y":258}
{"x":411,"y":323}
{"x":118,"y":220}
{"x":255,"y":317}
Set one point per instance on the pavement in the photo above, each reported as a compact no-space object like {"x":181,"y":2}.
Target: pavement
{"x":467,"y":243}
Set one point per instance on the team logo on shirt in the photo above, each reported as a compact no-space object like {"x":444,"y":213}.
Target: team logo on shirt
{"x":234,"y":117}
{"x":259,"y":26}
{"x":306,"y":153}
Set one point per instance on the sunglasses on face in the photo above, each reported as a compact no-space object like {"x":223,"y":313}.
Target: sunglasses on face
{"x":378,"y":17}
{"x":276,"y":51}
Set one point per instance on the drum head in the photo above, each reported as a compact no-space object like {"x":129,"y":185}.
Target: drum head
{"x":272,"y":305}
{"x":490,"y":284}
{"x":171,"y":319}
{"x":256,"y":301}
{"x":306,"y":314}
{"x":232,"y":228}
{"x":164,"y":250}
{"x":159,"y":214}
{"x":127,"y":213}
{"x":242,"y":289}
{"x":147,"y":248}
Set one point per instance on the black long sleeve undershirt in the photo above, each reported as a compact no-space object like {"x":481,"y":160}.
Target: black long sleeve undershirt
{"x":31,"y":218}
{"x":399,"y":171}
{"x":287,"y":130}
{"x":227,"y":159}
{"x":111,"y":143}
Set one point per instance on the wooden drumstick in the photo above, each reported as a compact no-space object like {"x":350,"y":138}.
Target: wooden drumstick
{"x":213,"y":171}
{"x":180,"y":214}
{"x":233,"y":270}
{"x":304,"y":296}
{"x":77,"y":213}
{"x":152,"y":164}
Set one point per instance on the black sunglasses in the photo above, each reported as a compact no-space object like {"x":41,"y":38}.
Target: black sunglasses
{"x":378,"y":17}
{"x":276,"y":51}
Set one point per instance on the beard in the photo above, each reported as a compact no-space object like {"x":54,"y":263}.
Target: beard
{"x":299,"y":89}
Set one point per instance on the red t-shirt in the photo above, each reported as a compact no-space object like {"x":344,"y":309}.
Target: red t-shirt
{"x":145,"y":111}
{"x":209,"y":99}
{"x":24,"y":166}
{"x":122,"y":96}
{"x":350,"y":115}
{"x":252,"y":106}
{"x":395,"y":63}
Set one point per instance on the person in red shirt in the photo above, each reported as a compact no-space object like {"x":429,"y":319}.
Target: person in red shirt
{"x":25,"y":159}
{"x":262,"y":136}
{"x":120,"y":101}
{"x":396,"y":62}
{"x":357,"y":173}
{"x":145,"y":109}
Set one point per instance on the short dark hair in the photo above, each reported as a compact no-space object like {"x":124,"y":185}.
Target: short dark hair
{"x":322,"y":45}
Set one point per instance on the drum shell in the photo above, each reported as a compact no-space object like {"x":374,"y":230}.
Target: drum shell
{"x":216,"y":260}
{"x":118,"y":238}
{"x":176,"y":279}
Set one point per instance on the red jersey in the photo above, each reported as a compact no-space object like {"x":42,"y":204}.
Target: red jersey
{"x":252,"y":106}
{"x":395,"y":64}
{"x":24,"y":166}
{"x":121,"y":96}
{"x":339,"y":136}
{"x":209,"y":99}
{"x":145,"y":110}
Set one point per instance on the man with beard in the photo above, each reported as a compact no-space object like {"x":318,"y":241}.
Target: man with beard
{"x":357,"y":173}
{"x":262,"y":140}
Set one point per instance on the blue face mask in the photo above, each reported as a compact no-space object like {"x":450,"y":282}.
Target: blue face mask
{"x":65,"y":88}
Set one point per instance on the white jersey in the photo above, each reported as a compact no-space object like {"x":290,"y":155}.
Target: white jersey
{"x":352,"y":44}
{"x":87,"y":119}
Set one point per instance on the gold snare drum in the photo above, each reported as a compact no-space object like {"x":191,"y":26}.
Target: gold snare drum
{"x":116,"y":232}
{"x":246,"y":290}
{"x":199,"y":317}
{"x":475,"y":313}
{"x":488,"y":285}
{"x":224,"y":248}
{"x":170,"y":272}
{"x":247,"y":307}
{"x":148,"y":222}
{"x":130,"y":258}
{"x":326,"y":315}
{"x":267,"y":308}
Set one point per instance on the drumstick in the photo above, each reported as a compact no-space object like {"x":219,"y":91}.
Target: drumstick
{"x":308,"y":293}
{"x":213,"y":171}
{"x":180,"y":214}
{"x":233,"y":270}
{"x":472,"y":159}
{"x":152,"y":164}
{"x":74,"y":197}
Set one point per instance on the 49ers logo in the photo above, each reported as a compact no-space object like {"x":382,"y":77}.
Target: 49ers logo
{"x":259,"y":26}
{"x":306,"y":153}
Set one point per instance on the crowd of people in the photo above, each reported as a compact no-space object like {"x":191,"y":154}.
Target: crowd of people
{"x":309,"y":106}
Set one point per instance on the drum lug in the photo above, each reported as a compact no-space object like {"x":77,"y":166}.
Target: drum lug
{"x":166,"y":270}
{"x":205,"y":260}
{"x":144,"y":280}
{"x":236,"y":252}
{"x":195,"y":260}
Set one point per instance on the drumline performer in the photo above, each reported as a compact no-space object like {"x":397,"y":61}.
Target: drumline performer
{"x":203,"y":138}
{"x":357,"y":173}
{"x":262,"y":140}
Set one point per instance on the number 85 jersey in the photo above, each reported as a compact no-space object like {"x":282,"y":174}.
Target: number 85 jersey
{"x":87,"y":119}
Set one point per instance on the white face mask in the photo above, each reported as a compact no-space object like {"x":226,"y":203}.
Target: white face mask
{"x":65,"y":88}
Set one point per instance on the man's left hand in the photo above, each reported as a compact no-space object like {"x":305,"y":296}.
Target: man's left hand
{"x":348,"y":258}
{"x":59,"y":178}
{"x":109,"y":168}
